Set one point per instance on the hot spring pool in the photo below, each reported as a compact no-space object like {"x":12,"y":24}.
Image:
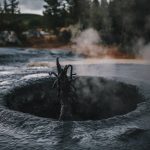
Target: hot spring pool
{"x":116,"y":118}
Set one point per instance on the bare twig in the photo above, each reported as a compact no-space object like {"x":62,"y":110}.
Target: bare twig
{"x":65,"y":89}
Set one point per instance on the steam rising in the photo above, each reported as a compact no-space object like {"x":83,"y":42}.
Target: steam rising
{"x":88,"y":37}
{"x":87,"y":43}
{"x":144,"y":49}
{"x":146,"y":52}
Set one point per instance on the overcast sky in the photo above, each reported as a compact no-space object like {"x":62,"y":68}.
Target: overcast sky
{"x":30,"y":6}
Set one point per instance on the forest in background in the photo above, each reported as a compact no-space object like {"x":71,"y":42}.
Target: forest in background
{"x":119,"y":22}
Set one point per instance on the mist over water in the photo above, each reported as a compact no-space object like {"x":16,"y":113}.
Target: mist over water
{"x":88,"y":37}
{"x":90,"y":44}
{"x":87,"y":43}
{"x":145,"y":51}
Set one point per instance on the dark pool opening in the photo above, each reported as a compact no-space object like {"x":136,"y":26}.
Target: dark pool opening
{"x":97,"y":98}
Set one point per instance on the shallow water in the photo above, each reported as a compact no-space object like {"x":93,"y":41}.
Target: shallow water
{"x":24,"y":131}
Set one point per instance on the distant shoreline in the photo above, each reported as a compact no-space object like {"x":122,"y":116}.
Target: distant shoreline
{"x":70,"y":47}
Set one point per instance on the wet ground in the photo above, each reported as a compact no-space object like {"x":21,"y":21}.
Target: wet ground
{"x":25,"y":131}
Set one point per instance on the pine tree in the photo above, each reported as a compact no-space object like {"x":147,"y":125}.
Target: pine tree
{"x":80,"y":11}
{"x":1,"y":17}
{"x":106,"y":21}
{"x":123,"y":18}
{"x":96,"y":18}
{"x":74,"y":10}
{"x":84,"y":13}
{"x":1,"y":9}
{"x":104,"y":3}
{"x":142,"y":19}
{"x":14,"y":6}
{"x":96,"y":3}
{"x":6,"y":7}
{"x":56,"y":14}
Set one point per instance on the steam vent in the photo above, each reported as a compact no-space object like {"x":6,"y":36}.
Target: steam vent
{"x":97,"y":98}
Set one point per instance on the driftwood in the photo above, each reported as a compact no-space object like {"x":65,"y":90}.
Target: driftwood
{"x":65,"y":89}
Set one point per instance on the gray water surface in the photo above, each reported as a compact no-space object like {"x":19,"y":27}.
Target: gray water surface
{"x":20,"y":131}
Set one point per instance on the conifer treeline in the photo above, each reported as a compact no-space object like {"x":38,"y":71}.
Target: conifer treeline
{"x":118,"y":21}
{"x":9,"y":7}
